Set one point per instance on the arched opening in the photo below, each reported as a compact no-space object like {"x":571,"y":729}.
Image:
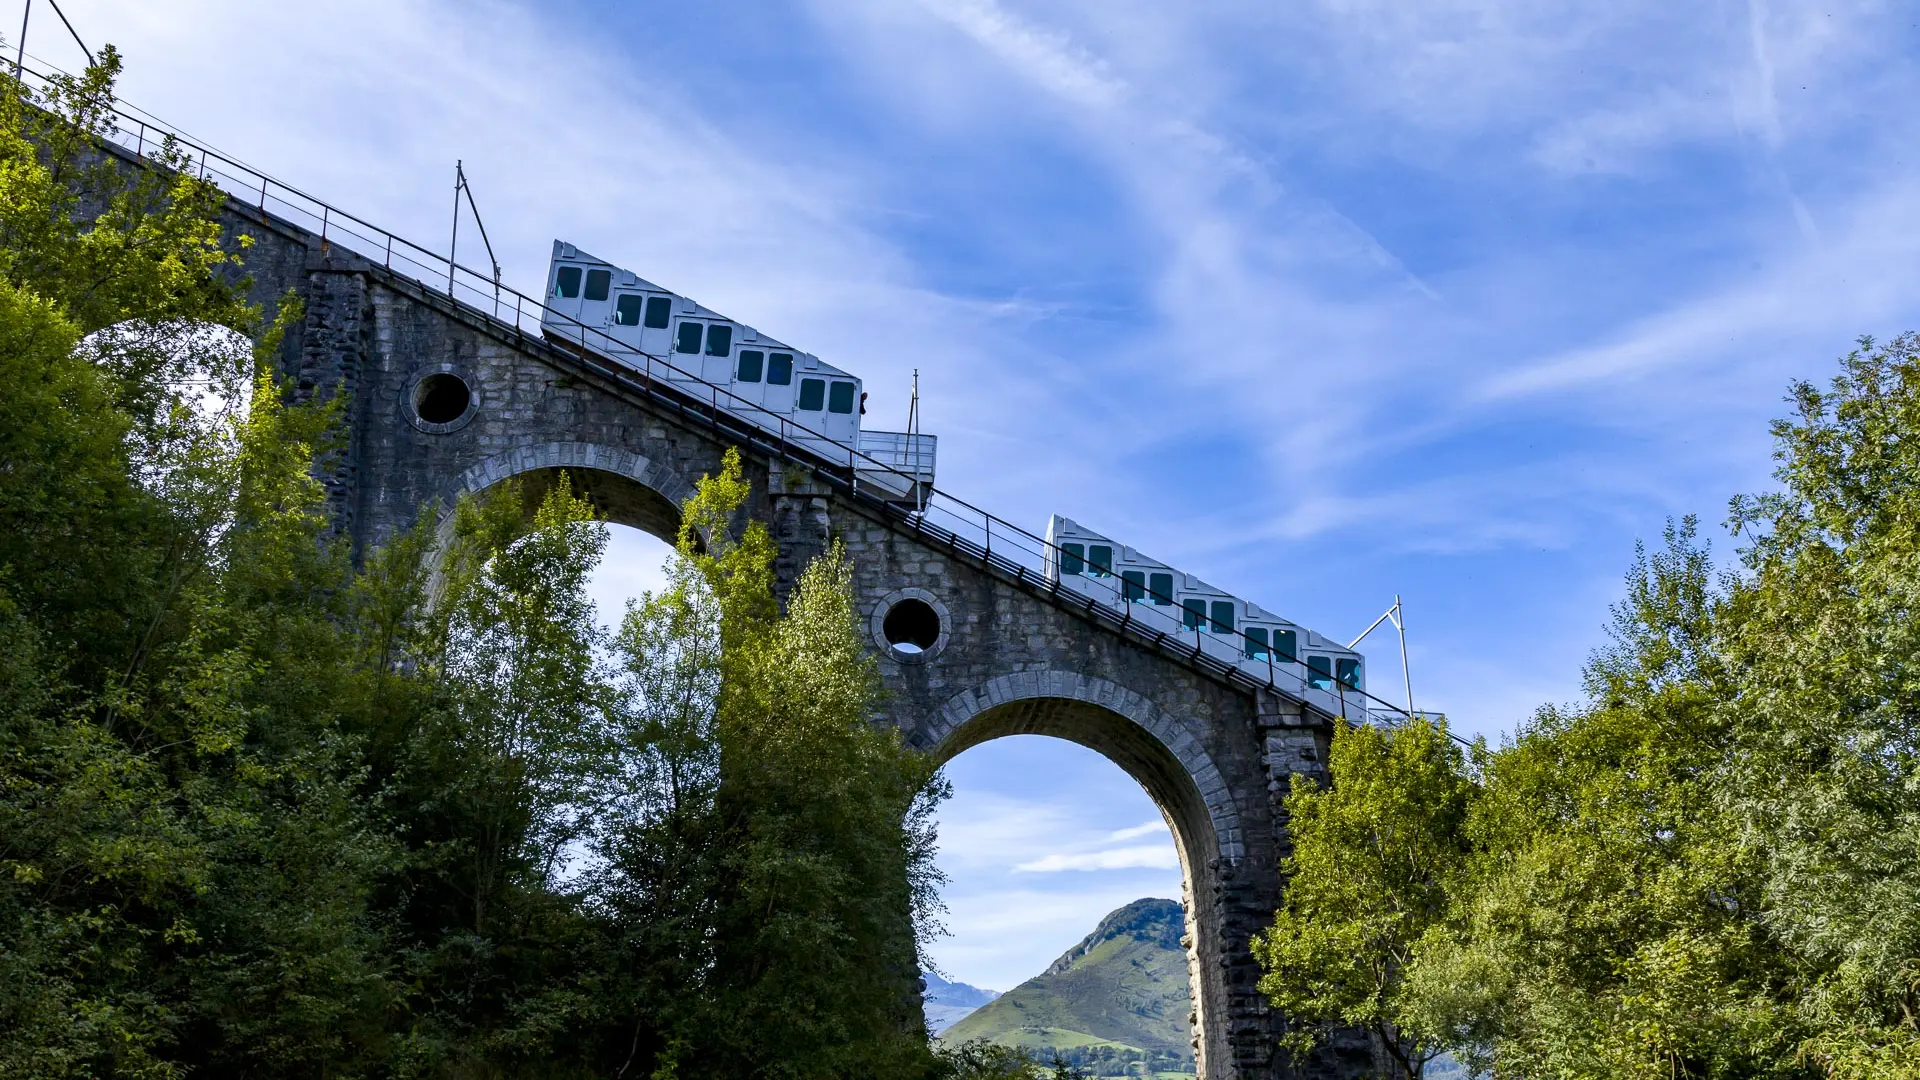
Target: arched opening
{"x":1064,"y":912}
{"x":635,"y":563}
{"x":617,"y":499}
{"x":1163,"y":778}
{"x":626,"y":490}
{"x":642,"y":526}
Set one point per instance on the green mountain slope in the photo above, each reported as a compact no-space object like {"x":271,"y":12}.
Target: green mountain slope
{"x":1124,"y":988}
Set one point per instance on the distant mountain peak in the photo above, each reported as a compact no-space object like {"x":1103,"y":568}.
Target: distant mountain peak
{"x":1149,"y":920}
{"x":1116,"y":1002}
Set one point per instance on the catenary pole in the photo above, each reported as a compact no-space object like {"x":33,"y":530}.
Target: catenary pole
{"x":20,"y":54}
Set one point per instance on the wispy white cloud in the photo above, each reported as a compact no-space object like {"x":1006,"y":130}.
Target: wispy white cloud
{"x":1049,"y":58}
{"x":1154,"y":856}
{"x":1156,"y":827}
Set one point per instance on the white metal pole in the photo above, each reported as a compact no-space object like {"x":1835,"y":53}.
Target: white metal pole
{"x":1400,"y":623}
{"x":453,"y":246}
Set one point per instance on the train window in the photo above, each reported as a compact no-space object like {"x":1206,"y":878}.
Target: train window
{"x":1223,"y":616}
{"x":567,"y":282}
{"x":1133,"y":586}
{"x":1320,"y":672}
{"x":1193,"y":613}
{"x":659,"y":310}
{"x":719,"y":339}
{"x":1283,"y":646}
{"x":1257,"y":643}
{"x":598,"y":282}
{"x":626,"y":310}
{"x":750,"y":361}
{"x":780,"y":369}
{"x":813,"y":394}
{"x":1347,"y":670}
{"x":689,"y":341}
{"x":1100,"y":557}
{"x":840,"y":397}
{"x":1160,"y":587}
{"x":1073,"y":558}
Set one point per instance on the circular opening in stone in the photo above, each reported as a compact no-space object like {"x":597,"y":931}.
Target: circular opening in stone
{"x":911,"y":626}
{"x":441,"y":398}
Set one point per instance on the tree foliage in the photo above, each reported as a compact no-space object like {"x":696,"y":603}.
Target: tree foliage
{"x":1371,"y":859}
{"x":1710,"y":867}
{"x":264,"y":811}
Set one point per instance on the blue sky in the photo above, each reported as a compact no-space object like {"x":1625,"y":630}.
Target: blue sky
{"x":1322,"y":301}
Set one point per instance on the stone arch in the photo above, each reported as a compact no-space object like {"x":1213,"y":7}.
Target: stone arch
{"x":627,"y":487}
{"x":1161,"y":754}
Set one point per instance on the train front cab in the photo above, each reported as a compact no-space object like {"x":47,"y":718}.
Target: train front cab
{"x":622,"y":312}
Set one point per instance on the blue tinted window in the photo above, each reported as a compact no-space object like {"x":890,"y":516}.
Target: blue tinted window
{"x":598,"y":282}
{"x":626,"y":310}
{"x":1101,"y":558}
{"x":1160,"y":588}
{"x":719,"y":339}
{"x":1194,"y":613}
{"x":1073,"y":558}
{"x":1223,"y":616}
{"x":659,"y":312}
{"x":780,"y":369}
{"x":1347,"y":670}
{"x":1283,"y":646}
{"x":1133,"y":585}
{"x":689,"y":340}
{"x":1320,"y":672}
{"x":840,"y":397}
{"x":813,"y":394}
{"x":1257,"y":643}
{"x":750,"y":361}
{"x":568,"y":282}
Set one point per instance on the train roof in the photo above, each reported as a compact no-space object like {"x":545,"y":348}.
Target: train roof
{"x":687,"y":306}
{"x":1064,"y":529}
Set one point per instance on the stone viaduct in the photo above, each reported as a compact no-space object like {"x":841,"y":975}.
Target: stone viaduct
{"x":1212,"y":748}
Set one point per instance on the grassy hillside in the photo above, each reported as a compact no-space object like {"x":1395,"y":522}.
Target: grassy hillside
{"x":1120,"y":994}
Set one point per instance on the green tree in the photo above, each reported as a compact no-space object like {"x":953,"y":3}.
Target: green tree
{"x":817,"y":842}
{"x":1372,"y":858}
{"x":189,"y":858}
{"x":1607,"y":929}
{"x":264,"y":812}
{"x":1708,"y":867}
{"x":1823,"y":782}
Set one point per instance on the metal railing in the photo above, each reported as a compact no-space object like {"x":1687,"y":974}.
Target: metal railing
{"x":910,"y":455}
{"x":941,"y":517}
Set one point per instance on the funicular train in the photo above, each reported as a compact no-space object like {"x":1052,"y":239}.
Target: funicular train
{"x":1238,"y":631}
{"x":731,"y":365}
